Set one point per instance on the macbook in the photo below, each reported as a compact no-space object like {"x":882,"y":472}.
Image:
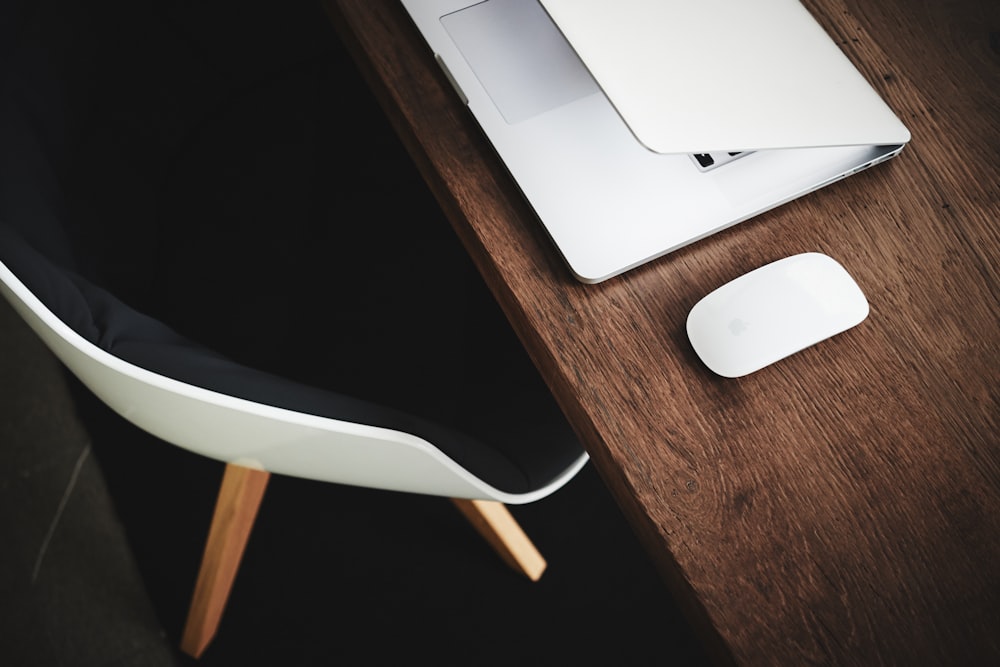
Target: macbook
{"x":636,"y":127}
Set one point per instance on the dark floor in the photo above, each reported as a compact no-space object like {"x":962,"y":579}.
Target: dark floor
{"x":101,"y":526}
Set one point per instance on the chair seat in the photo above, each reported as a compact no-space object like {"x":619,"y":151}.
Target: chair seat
{"x":488,"y":413}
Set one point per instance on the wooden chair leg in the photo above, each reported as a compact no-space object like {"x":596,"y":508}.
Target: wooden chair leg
{"x":494,"y":522}
{"x":235,"y":511}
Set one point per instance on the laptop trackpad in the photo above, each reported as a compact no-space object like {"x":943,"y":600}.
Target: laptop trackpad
{"x":520,"y":57}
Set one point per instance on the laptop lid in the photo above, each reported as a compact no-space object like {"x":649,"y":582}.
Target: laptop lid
{"x":728,"y":75}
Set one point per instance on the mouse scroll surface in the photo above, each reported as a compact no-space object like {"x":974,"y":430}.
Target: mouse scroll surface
{"x":773,"y":312}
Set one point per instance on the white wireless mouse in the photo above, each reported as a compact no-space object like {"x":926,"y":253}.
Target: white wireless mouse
{"x":773,"y":312}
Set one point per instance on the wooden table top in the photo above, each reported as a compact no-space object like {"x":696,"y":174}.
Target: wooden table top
{"x":843,"y":505}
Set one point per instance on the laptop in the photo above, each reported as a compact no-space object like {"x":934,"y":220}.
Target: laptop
{"x":636,"y":127}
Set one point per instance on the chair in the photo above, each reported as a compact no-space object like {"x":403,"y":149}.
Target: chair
{"x":257,"y":422}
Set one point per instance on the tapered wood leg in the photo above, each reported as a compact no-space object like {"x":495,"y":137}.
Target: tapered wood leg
{"x":494,"y":522}
{"x":235,"y":510}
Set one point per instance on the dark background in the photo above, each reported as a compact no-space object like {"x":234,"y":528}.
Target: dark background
{"x":230,"y":161}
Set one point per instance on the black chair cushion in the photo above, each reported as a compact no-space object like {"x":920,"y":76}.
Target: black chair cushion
{"x":114,"y":327}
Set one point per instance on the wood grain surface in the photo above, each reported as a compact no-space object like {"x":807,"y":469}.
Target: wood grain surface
{"x":843,"y":505}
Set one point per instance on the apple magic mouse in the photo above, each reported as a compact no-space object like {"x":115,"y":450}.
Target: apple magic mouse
{"x":773,"y":312}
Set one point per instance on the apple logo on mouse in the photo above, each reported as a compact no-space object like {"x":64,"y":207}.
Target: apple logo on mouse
{"x":737,"y":326}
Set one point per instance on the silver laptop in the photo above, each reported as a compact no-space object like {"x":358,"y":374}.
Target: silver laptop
{"x":636,"y":127}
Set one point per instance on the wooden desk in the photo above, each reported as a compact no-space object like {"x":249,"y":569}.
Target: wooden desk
{"x":842,"y":506}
